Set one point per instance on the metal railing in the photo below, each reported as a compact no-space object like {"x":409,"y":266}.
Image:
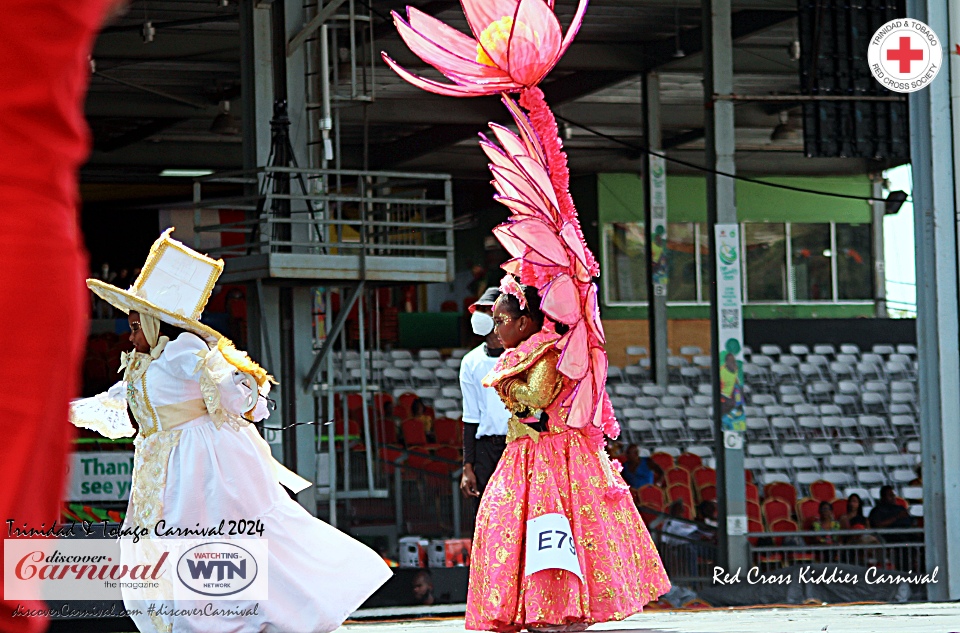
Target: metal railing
{"x":688,"y":560}
{"x":888,"y":549}
{"x":336,"y":212}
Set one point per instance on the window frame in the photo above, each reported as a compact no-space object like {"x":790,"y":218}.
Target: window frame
{"x":701,"y":300}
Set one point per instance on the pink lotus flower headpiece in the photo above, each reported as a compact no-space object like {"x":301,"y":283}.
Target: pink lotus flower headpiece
{"x":510,"y":286}
{"x":515,"y":44}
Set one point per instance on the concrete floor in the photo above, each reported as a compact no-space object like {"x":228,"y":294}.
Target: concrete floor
{"x":879,"y":618}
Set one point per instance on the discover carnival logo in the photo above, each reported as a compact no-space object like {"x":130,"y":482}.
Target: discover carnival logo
{"x":217,"y":569}
{"x":905,"y":55}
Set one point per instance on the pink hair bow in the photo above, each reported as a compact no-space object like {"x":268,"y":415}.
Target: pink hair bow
{"x":510,"y":286}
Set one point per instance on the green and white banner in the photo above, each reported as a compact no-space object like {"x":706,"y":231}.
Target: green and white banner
{"x":730,"y":327}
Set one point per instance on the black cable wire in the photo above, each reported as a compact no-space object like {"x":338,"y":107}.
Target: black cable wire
{"x":647,"y":150}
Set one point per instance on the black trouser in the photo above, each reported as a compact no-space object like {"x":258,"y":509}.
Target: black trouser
{"x":489,"y":449}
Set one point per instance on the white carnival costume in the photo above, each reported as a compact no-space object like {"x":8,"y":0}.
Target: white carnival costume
{"x":198,"y":459}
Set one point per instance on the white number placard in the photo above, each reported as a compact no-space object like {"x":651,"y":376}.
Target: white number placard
{"x":550,"y":545}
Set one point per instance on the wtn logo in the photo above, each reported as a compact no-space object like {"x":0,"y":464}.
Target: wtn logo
{"x":217,"y":569}
{"x":224,"y":568}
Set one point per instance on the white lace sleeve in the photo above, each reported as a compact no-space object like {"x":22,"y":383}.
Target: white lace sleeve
{"x":231,"y":396}
{"x":105,"y":413}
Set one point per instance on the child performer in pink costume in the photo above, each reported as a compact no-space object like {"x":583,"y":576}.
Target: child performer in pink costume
{"x":553,"y":469}
{"x":559,"y":544}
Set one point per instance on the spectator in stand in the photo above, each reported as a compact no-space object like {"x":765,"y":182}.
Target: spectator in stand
{"x":826,"y":522}
{"x":484,"y":415}
{"x":854,"y":519}
{"x":418,"y":410}
{"x":889,"y":514}
{"x":639,"y":471}
{"x":709,"y":515}
{"x":423,"y":588}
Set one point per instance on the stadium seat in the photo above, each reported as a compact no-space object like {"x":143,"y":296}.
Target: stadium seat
{"x":676,"y":475}
{"x":704,"y":476}
{"x":752,"y":493}
{"x":774,"y":510}
{"x":754,"y":514}
{"x":839,"y":507}
{"x":653,"y":497}
{"x":663,"y":460}
{"x":822,"y":490}
{"x":681,"y":492}
{"x":781,"y":490}
{"x":808,"y":509}
{"x":707,"y":493}
{"x":689,"y":461}
{"x":447,"y":431}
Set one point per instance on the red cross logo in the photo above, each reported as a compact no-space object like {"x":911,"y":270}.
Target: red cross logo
{"x":905,"y":55}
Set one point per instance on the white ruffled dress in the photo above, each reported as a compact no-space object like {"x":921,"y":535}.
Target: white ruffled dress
{"x":198,"y":462}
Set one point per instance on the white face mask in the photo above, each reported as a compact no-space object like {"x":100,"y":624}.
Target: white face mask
{"x":482,"y":323}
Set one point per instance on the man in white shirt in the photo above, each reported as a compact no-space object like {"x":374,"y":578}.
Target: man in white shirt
{"x":484,"y":416}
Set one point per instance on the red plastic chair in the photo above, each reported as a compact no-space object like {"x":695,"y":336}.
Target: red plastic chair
{"x":823,"y":490}
{"x":788,"y":525}
{"x":774,"y":510}
{"x":681,"y":492}
{"x":708,"y":493}
{"x":663,"y":460}
{"x":753,"y":493}
{"x":690,"y":461}
{"x":406,"y":400}
{"x":677,"y":476}
{"x":808,"y":509}
{"x":748,"y":475}
{"x":839,"y":507}
{"x":653,"y":497}
{"x":387,"y":432}
{"x":781,"y":490}
{"x":704,"y":476}
{"x":414,"y":433}
{"x":447,"y":431}
{"x":379,"y":399}
{"x":754,"y":514}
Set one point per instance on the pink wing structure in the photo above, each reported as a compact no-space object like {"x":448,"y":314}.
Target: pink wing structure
{"x":547,"y":248}
{"x":515,"y":44}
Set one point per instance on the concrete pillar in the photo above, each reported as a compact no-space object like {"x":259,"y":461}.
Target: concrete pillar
{"x":933,"y":139}
{"x":721,"y":209}
{"x":655,"y":215}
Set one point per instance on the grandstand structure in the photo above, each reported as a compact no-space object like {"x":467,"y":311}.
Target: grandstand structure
{"x":355,"y":237}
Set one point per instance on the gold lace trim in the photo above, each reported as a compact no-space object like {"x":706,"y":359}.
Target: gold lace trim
{"x":517,"y":429}
{"x":150,"y":477}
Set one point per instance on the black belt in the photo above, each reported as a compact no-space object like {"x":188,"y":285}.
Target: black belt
{"x":493,"y":438}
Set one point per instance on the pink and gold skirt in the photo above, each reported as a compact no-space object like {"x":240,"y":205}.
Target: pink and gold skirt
{"x":559,"y":473}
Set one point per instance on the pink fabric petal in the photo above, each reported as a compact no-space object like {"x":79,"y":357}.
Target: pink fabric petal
{"x":581,"y":406}
{"x":515,"y":247}
{"x":575,"y":357}
{"x":591,"y":313}
{"x":511,"y":143}
{"x":534,"y":44}
{"x":535,"y":258}
{"x":527,"y":133}
{"x":449,"y":90}
{"x":443,"y":34}
{"x":540,"y":238}
{"x":495,"y":154}
{"x":441,"y":58}
{"x":518,"y":207}
{"x":561,"y":300}
{"x":572,"y":239}
{"x":482,"y":13}
{"x":573,"y":28}
{"x":537,"y":174}
{"x":516,"y":186}
{"x":513,"y":266}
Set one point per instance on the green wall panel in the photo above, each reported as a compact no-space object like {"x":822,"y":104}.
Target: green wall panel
{"x":620,"y":198}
